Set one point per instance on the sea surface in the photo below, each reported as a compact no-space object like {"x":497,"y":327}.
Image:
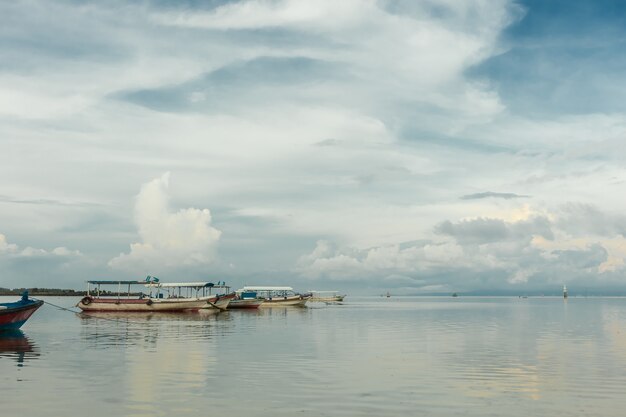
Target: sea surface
{"x":398,"y":356}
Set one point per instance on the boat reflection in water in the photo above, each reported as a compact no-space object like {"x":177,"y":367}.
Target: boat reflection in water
{"x":109,"y":329}
{"x":15,"y":344}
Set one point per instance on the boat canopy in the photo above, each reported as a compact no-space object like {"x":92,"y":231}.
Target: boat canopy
{"x":180,"y":284}
{"x":266,"y":289}
{"x":116,"y":282}
{"x":323,"y":292}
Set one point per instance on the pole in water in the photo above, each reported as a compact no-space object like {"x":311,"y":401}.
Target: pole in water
{"x":564,"y":291}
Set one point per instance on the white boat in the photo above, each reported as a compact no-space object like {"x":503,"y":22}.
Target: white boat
{"x":171,"y":297}
{"x":218,"y":295}
{"x":326,"y":296}
{"x":274,"y":296}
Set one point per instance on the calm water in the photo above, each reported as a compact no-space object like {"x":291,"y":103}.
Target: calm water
{"x":367,"y":357}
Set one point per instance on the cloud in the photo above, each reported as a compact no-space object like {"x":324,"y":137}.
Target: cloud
{"x":168,"y":240}
{"x":482,"y":253}
{"x":12,"y":250}
{"x":486,"y":230}
{"x":586,"y":219}
{"x":489,"y":194}
{"x":44,"y":201}
{"x":6,"y":247}
{"x":359,"y":124}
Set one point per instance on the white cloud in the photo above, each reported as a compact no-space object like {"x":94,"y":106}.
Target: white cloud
{"x":12,"y":250}
{"x":6,"y":247}
{"x":168,"y":240}
{"x":464,"y":253}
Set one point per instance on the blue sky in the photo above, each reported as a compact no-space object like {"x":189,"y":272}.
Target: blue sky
{"x":367,"y":145}
{"x":562,"y":57}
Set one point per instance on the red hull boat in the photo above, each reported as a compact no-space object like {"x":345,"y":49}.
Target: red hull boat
{"x":14,"y":315}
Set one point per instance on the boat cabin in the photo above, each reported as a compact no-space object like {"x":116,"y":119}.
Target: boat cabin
{"x":265,"y":292}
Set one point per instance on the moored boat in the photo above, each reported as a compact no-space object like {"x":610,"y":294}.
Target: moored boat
{"x":326,"y":296}
{"x":14,"y":315}
{"x":249,"y":303}
{"x":245,"y":300}
{"x":274,"y":296}
{"x":162,"y":297}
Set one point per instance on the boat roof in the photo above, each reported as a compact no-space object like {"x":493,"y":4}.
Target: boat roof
{"x":117,"y":282}
{"x":180,"y":284}
{"x":254,"y":288}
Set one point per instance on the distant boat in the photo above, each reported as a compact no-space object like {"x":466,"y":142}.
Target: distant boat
{"x":388,"y":295}
{"x":455,"y":295}
{"x":14,"y":315}
{"x":564,"y":291}
{"x":326,"y":296}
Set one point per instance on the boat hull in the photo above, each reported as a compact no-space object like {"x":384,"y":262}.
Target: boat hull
{"x":291,"y":301}
{"x":221,"y":302}
{"x":336,"y":299}
{"x":155,"y":304}
{"x":248,"y":304}
{"x":14,"y":315}
{"x":144,"y":305}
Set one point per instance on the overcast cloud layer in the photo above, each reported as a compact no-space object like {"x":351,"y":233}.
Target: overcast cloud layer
{"x":361,"y":145}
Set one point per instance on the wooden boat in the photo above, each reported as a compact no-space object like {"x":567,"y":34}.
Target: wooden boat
{"x":274,"y":296}
{"x":162,"y":297}
{"x":326,"y":296}
{"x":14,"y":315}
{"x":218,"y":295}
{"x":249,"y":303}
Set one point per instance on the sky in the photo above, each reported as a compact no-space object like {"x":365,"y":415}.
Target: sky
{"x":366,"y":146}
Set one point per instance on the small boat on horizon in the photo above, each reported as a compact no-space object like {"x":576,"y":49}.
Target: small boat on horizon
{"x":14,"y":315}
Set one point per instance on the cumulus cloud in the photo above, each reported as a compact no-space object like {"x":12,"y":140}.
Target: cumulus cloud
{"x":485,"y":230}
{"x":6,"y":247}
{"x":482,"y":253}
{"x":12,"y":250}
{"x":168,"y":239}
{"x":328,"y":261}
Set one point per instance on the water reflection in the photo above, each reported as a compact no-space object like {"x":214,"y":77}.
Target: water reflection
{"x":388,"y":357}
{"x":164,"y":356}
{"x":113,"y":329}
{"x":15,"y":344}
